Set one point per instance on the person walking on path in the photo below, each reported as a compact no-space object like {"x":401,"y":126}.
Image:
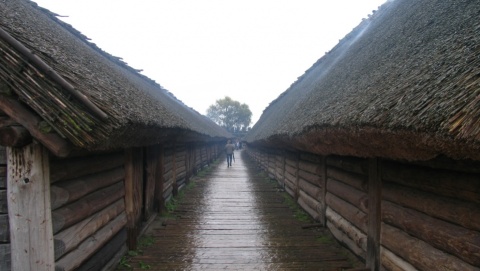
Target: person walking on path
{"x":229,"y":148}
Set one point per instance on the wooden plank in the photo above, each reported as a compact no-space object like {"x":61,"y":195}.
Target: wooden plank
{"x":418,"y":253}
{"x":101,"y":259}
{"x":3,"y":202}
{"x":87,"y":248}
{"x":456,"y":240}
{"x":455,"y":211}
{"x":77,"y":211}
{"x":14,"y":136}
{"x":63,"y":193}
{"x":133,"y":193}
{"x":3,"y":177}
{"x":374,"y":214}
{"x":66,"y":169}
{"x":151,"y":156}
{"x":392,"y":262}
{"x":4,"y":229}
{"x":3,"y":156}
{"x":31,"y":234}
{"x":70,"y":238}
{"x":5,"y":257}
{"x":57,"y":145}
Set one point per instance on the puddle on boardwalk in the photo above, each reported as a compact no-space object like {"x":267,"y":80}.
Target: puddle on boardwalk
{"x":233,"y":219}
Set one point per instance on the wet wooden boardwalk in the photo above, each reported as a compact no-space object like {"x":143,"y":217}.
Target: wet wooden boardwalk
{"x":236,"y":219}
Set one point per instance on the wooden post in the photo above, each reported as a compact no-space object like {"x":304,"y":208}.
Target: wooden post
{"x":151,"y":155}
{"x":28,"y":184}
{"x":160,"y":180}
{"x":133,"y":193}
{"x":374,"y":215}
{"x":323,"y":184}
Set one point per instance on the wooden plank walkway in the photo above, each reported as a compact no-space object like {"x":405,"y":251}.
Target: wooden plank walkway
{"x":236,"y":219}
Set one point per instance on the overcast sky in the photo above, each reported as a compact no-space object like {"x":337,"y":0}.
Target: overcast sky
{"x":204,"y":50}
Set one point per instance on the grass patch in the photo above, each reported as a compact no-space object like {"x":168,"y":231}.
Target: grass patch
{"x":142,"y":243}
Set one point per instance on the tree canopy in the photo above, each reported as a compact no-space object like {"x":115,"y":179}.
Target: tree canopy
{"x":230,"y":114}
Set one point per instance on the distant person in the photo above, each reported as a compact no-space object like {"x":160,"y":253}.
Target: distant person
{"x":229,"y":148}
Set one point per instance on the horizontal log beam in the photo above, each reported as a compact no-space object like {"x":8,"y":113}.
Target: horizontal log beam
{"x":353,"y":233}
{"x":417,"y":252}
{"x":52,"y":141}
{"x":70,"y":238}
{"x":81,"y":209}
{"x":14,"y":136}
{"x":87,"y":248}
{"x":65,"y":192}
{"x":456,"y":240}
{"x":66,"y":169}
{"x":348,"y":211}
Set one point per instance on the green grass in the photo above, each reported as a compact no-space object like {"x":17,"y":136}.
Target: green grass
{"x":142,"y":243}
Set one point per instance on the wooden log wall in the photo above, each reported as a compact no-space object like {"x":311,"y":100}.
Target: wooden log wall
{"x":428,"y":214}
{"x":88,"y":207}
{"x":5,"y":257}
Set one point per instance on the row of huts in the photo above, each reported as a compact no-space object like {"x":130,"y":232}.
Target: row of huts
{"x":92,"y":148}
{"x":380,"y":139}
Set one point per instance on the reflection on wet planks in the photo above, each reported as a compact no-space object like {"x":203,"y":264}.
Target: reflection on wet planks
{"x":234,"y":219}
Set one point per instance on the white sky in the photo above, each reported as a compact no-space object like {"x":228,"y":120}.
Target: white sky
{"x":204,"y":50}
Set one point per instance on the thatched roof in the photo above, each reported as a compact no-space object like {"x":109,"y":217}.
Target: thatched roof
{"x":404,"y":84}
{"x":139,"y":111}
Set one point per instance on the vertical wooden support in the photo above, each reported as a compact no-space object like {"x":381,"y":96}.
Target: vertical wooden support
{"x":160,"y":201}
{"x":133,"y":193}
{"x":323,"y":183}
{"x":28,"y":185}
{"x":174,"y":169}
{"x":151,"y":156}
{"x":374,"y":214}
{"x":297,"y":175}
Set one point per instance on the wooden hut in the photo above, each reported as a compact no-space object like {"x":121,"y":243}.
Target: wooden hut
{"x":92,"y":149}
{"x":380,"y":138}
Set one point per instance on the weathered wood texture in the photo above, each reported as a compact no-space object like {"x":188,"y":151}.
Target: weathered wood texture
{"x":87,"y":195}
{"x":29,"y":199}
{"x":435,"y":203}
{"x":14,"y":136}
{"x":133,"y":193}
{"x":5,"y":262}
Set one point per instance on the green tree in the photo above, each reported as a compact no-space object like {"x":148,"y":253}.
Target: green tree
{"x":230,"y":114}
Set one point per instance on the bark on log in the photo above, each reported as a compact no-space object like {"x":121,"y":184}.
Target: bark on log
{"x":464,"y":186}
{"x":4,"y":229}
{"x":73,"y":168}
{"x":85,"y":250}
{"x":348,"y":211}
{"x":63,"y":193}
{"x":70,"y":238}
{"x":360,"y":182}
{"x":14,"y":136}
{"x":392,"y":262}
{"x":456,"y":240}
{"x":348,"y":193}
{"x":81,"y":209}
{"x":420,"y":254}
{"x":458,"y":212}
{"x":350,"y":164}
{"x":133,"y":193}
